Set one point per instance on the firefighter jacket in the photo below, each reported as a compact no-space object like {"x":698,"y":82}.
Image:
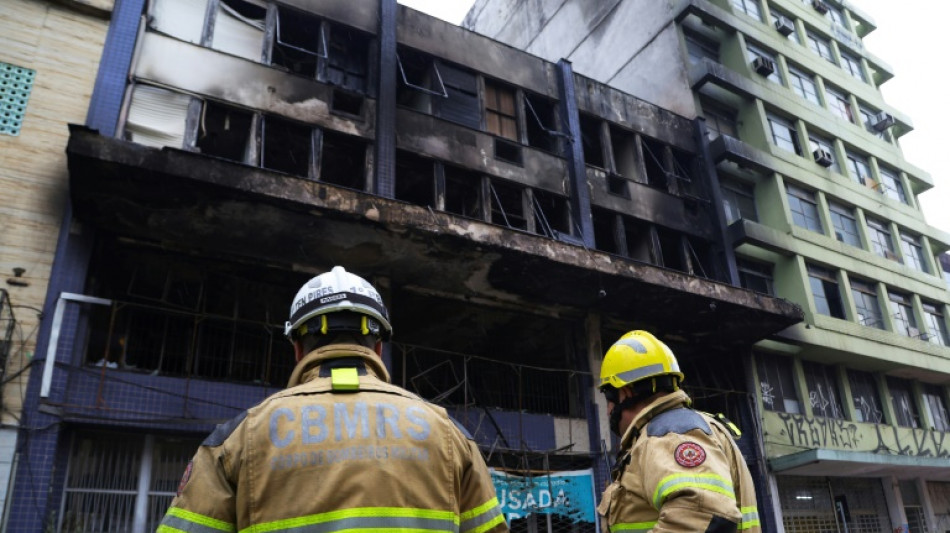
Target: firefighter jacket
{"x":679,"y":470}
{"x":339,"y":449}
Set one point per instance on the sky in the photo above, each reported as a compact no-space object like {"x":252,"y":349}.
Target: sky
{"x":908,"y":38}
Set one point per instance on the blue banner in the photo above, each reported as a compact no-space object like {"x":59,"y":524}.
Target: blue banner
{"x":569,"y":494}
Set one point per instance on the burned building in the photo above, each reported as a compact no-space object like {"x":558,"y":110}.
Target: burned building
{"x":517,"y":217}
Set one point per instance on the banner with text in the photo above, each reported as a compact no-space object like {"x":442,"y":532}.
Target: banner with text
{"x":569,"y":494}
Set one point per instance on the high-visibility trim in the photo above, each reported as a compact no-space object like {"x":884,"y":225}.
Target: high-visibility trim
{"x":750,"y":517}
{"x":481,"y":518}
{"x":178,"y":519}
{"x":633,"y":527}
{"x":364,"y":519}
{"x":710,"y":482}
{"x":639,"y":373}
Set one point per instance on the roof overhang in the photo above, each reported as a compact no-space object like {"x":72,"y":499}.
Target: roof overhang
{"x":824,"y":462}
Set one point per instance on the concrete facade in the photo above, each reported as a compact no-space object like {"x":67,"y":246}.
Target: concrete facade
{"x":822,"y":210}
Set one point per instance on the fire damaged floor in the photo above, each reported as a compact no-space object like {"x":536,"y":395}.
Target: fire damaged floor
{"x":189,"y":202}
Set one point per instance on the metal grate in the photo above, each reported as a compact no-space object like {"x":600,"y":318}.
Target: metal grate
{"x":15,"y":86}
{"x":808,"y":504}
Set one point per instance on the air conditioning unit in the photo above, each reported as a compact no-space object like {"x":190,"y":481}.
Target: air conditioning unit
{"x":819,"y":6}
{"x":784,"y":26}
{"x":882,"y":121}
{"x":823,"y":157}
{"x":763,"y":65}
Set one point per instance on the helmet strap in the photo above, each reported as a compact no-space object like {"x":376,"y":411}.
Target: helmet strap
{"x":615,"y":415}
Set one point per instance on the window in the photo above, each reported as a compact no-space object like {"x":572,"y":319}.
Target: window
{"x":777,"y":384}
{"x":776,"y":75}
{"x":804,"y":85}
{"x":867,"y":400}
{"x":913,"y":252}
{"x":821,"y":46}
{"x":500,"y":115}
{"x":719,"y":120}
{"x":822,"y":390}
{"x":936,"y":325}
{"x":804,"y":209}
{"x":699,"y":48}
{"x":865,"y":302}
{"x":541,"y":125}
{"x":789,"y":23}
{"x":591,"y":141}
{"x":508,"y":205}
{"x":824,"y":290}
{"x":784,"y":135}
{"x":852,"y":65}
{"x":891,"y":183}
{"x":461,"y":102}
{"x":860,"y":170}
{"x":881,"y":241}
{"x":902,"y":311}
{"x":936,"y":406}
{"x":102,"y":483}
{"x":224,"y":131}
{"x":836,"y":16}
{"x":755,"y":276}
{"x":839,"y":104}
{"x":846,"y":227}
{"x":286,"y":146}
{"x":749,"y":7}
{"x":738,"y":200}
{"x":822,"y":149}
{"x":902,"y":399}
{"x":239,"y":29}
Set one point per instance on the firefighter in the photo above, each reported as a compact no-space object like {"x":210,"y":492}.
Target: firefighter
{"x":340,"y":448}
{"x":678,"y":469}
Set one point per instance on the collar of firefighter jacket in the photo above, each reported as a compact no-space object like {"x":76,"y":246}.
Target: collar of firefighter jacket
{"x":657,"y":406}
{"x":309,"y":367}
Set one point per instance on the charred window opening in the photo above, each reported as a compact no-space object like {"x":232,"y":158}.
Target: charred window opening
{"x":501,"y":118}
{"x":419,"y":80}
{"x":605,"y":230}
{"x":593,"y":148}
{"x":463,"y":192}
{"x":700,"y":257}
{"x":348,"y":58}
{"x":552,"y":214}
{"x":639,"y":240}
{"x":684,"y":169}
{"x":176,"y":316}
{"x":461,"y":104}
{"x":626,"y":159}
{"x":508,"y":152}
{"x":507,"y":205}
{"x":671,"y":249}
{"x":343,"y":161}
{"x":299,"y":42}
{"x":239,"y":29}
{"x":287,"y":146}
{"x":654,"y":159}
{"x":347,"y":103}
{"x":617,"y":186}
{"x":541,"y":123}
{"x":415,"y":179}
{"x":223,"y":131}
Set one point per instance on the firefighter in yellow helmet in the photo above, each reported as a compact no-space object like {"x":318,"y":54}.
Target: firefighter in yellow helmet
{"x":341,"y":448}
{"x":678,"y":469}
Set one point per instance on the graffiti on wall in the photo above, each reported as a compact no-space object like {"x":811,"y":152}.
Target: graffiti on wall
{"x":804,"y":432}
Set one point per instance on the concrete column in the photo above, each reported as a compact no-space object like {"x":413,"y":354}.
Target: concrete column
{"x":577,"y":170}
{"x":385,"y":145}
{"x":895,"y":503}
{"x":925,"y":502}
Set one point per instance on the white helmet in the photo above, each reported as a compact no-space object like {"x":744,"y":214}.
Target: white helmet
{"x":334,"y":291}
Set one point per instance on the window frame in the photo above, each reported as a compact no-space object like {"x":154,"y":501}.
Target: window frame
{"x":783,"y":125}
{"x":825,"y":280}
{"x":866,"y":304}
{"x":823,"y":390}
{"x":810,"y":220}
{"x":840,"y":212}
{"x":882,"y":243}
{"x":803,"y":84}
{"x":902,"y":314}
{"x":821,"y":47}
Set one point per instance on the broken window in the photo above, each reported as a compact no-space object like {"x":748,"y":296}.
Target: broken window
{"x":299,"y":42}
{"x":182,"y":19}
{"x":508,"y":151}
{"x":903,"y":402}
{"x":671,"y":249}
{"x":431,"y":86}
{"x":552,"y":214}
{"x":347,"y":103}
{"x":420,"y":80}
{"x":507,"y":205}
{"x":541,"y":123}
{"x":825,"y":291}
{"x":626,"y":159}
{"x":639,"y":240}
{"x":239,"y":28}
{"x":591,"y":140}
{"x":867,"y":399}
{"x":156,"y":117}
{"x":501,"y":118}
{"x":777,"y":384}
{"x":823,"y":393}
{"x":415,"y":179}
{"x":606,"y":236}
{"x":348,"y":58}
{"x":463,"y":192}
{"x":343,"y":160}
{"x":684,"y":169}
{"x":755,"y":276}
{"x":287,"y":146}
{"x":224,"y":131}
{"x":654,"y":159}
{"x":699,"y":257}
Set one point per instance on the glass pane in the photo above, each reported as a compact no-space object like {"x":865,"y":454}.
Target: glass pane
{"x":867,"y":402}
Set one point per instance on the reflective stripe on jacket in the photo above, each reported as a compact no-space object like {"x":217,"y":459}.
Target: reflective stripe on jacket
{"x":683,"y":472}
{"x":319,"y":458}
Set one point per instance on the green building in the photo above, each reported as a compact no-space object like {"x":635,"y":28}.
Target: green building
{"x":822,"y":210}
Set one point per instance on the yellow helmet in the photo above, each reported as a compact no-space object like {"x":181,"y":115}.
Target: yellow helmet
{"x":636,"y":356}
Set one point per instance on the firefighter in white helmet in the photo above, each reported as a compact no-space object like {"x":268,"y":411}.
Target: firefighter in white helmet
{"x":341,"y":448}
{"x":678,"y":469}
